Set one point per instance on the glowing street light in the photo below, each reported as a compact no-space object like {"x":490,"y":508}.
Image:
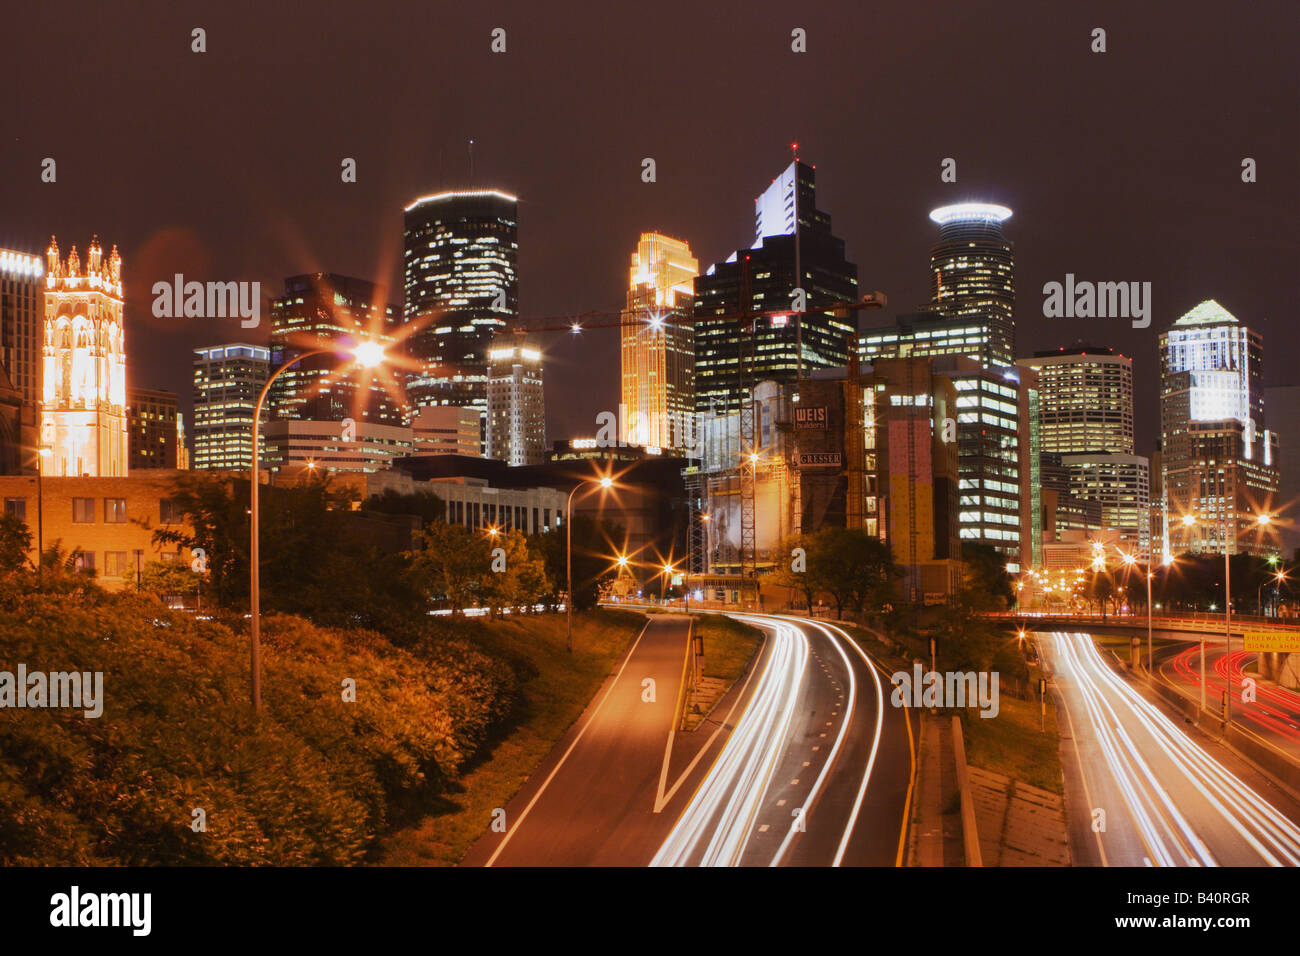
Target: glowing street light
{"x":1261,"y":521}
{"x":367,"y":354}
{"x":604,"y":484}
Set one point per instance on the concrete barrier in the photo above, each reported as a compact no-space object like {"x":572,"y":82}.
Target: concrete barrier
{"x":969,"y":834}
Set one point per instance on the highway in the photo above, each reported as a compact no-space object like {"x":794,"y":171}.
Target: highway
{"x":803,"y":763}
{"x":816,"y":773}
{"x":1273,"y":718}
{"x":1164,"y":798}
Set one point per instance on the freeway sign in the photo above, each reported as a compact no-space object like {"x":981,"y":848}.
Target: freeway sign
{"x":1271,"y":641}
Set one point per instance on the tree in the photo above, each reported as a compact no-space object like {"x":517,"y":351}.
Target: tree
{"x":987,"y":580}
{"x":217,"y":523}
{"x":319,"y":558}
{"x":15,"y":542}
{"x":522,"y":581}
{"x":592,"y":557}
{"x":450,"y":565}
{"x":169,"y":579}
{"x":425,"y":504}
{"x":795,"y":575}
{"x":853,"y":567}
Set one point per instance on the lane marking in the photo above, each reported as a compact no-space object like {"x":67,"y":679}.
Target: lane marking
{"x":556,"y":769}
{"x":677,"y":710}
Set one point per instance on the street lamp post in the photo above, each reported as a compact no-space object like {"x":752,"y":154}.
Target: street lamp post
{"x":603,"y":483}
{"x":368,"y":354}
{"x":1261,"y":520}
{"x":663,"y":588}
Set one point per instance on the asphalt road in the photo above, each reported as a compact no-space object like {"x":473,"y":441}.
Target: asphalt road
{"x":1166,"y":797}
{"x":592,"y":800}
{"x":804,"y":763}
{"x":816,"y":773}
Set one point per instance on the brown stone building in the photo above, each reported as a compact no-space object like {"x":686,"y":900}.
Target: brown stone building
{"x":106,"y":523}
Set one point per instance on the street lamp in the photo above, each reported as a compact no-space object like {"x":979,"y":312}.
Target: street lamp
{"x":367,"y":354}
{"x":1261,"y":521}
{"x":604,"y":484}
{"x":668,"y":571}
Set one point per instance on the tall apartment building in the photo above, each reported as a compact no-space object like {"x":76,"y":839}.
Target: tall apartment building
{"x":996,"y":432}
{"x":1220,"y":462}
{"x":22,"y":303}
{"x":516,"y":413}
{"x":968,"y":329}
{"x":22,"y":310}
{"x":227,"y":381}
{"x":657,"y":346}
{"x":973,"y":272}
{"x":445,"y":430}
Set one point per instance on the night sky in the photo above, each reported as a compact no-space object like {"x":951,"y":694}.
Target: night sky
{"x":1122,"y":166}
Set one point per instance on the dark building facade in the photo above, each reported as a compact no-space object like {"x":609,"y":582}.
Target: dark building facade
{"x":649,"y":501}
{"x":461,"y":286}
{"x":153,"y":439}
{"x":22,"y":315}
{"x":317,"y":309}
{"x":794,"y":248}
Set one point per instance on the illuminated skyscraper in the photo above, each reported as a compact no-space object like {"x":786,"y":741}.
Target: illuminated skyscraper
{"x":1086,"y":400}
{"x":969,"y":331}
{"x":793,"y":248}
{"x":227,"y":381}
{"x":22,"y":309}
{"x":657,"y":346}
{"x":316,"y":310}
{"x":461,"y":254}
{"x":83,"y":379}
{"x":1220,"y":464}
{"x":1085,"y":418}
{"x":516,"y":416}
{"x":972,"y":272}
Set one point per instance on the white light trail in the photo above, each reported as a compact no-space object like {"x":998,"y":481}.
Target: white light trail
{"x":717,"y":824}
{"x":1113,"y":708}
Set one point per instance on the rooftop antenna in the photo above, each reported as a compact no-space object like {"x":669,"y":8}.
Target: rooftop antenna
{"x":471,"y":162}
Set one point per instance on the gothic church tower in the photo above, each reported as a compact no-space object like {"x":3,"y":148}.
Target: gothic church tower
{"x":83,"y":397}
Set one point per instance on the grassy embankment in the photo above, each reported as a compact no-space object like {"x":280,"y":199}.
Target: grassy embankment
{"x":1011,"y":743}
{"x":555,"y":687}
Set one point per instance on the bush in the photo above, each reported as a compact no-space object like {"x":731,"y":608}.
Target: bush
{"x":316,"y":781}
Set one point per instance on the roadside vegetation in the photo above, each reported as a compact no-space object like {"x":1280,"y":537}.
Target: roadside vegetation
{"x":377,"y":714}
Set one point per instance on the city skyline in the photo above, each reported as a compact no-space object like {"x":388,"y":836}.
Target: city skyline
{"x":702,"y":194}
